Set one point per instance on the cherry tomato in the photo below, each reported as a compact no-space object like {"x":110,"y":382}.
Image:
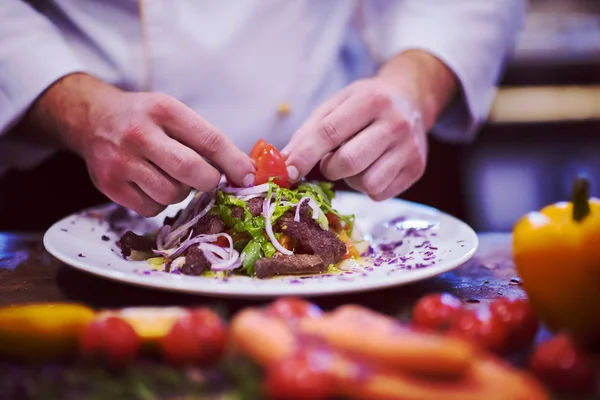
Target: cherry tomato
{"x":519,"y":319}
{"x":197,"y":338}
{"x":111,"y":339}
{"x":482,"y":327}
{"x":269,"y":164}
{"x":292,"y":309}
{"x":436,"y":311}
{"x":563,"y":367}
{"x":258,"y":149}
{"x":302,"y":376}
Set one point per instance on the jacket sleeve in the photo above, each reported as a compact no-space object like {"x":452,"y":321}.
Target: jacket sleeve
{"x":472,"y":37}
{"x":33,"y":55}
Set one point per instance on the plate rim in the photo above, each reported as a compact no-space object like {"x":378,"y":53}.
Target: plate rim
{"x":223,"y":291}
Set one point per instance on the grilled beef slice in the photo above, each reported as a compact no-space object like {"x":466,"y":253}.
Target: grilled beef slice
{"x":312,"y":238}
{"x":131,"y":241}
{"x":237,"y":212}
{"x":195,"y":262}
{"x":208,"y":225}
{"x":255,"y":205}
{"x":297,"y":264}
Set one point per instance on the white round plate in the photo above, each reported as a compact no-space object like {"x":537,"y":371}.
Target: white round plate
{"x":410,"y":242}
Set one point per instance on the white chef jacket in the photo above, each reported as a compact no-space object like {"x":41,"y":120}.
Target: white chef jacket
{"x":235,"y":62}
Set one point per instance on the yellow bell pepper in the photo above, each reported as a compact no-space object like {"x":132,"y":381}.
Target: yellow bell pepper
{"x":41,"y":331}
{"x":556,"y":252}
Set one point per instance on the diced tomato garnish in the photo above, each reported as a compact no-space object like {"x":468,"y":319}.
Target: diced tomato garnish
{"x":269,"y":164}
{"x":222,"y":241}
{"x":334,"y":222}
{"x":351,"y":250}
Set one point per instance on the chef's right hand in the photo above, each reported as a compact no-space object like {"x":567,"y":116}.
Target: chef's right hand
{"x":142,"y":150}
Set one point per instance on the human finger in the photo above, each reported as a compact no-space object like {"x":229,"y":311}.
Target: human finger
{"x":317,"y":138}
{"x":358,"y":153}
{"x":180,"y":162}
{"x":379,"y":175}
{"x":189,"y":128}
{"x":155,"y":183}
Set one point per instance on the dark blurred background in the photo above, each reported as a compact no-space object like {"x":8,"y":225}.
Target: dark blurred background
{"x":543,"y":130}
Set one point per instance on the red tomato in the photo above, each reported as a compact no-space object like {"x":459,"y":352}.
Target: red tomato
{"x":113,"y":339}
{"x":292,"y":308}
{"x":299,"y":377}
{"x":269,"y":164}
{"x":197,"y":338}
{"x":563,"y":367}
{"x":482,"y":327}
{"x":519,"y":319}
{"x":436,"y":311}
{"x":258,"y":149}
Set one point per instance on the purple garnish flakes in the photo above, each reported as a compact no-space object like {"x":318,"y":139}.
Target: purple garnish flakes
{"x":80,"y":255}
{"x":64,"y":230}
{"x":105,"y":238}
{"x":146,"y":272}
{"x":398,"y":220}
{"x":295,"y":281}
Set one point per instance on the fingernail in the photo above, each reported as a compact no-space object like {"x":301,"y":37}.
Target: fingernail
{"x":248,"y":180}
{"x":293,"y":173}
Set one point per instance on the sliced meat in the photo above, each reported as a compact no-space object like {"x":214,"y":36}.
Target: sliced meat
{"x":237,"y":212}
{"x":297,"y":264}
{"x":312,"y":238}
{"x":255,"y":205}
{"x":171,"y":220}
{"x":195,"y":262}
{"x":131,"y":241}
{"x":209,"y":225}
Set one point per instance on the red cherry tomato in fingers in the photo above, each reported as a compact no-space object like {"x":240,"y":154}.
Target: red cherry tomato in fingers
{"x":292,"y":309}
{"x":302,"y":376}
{"x":197,"y":338}
{"x":519,"y":319}
{"x":563,"y":367}
{"x":436,"y":311}
{"x":112,"y":339}
{"x":482,"y":327}
{"x":258,"y":149}
{"x":270,"y":164}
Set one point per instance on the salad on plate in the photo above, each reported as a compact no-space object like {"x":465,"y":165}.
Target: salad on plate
{"x":273,"y":228}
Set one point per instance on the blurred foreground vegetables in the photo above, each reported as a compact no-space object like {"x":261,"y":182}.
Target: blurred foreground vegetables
{"x":41,"y":331}
{"x":330,"y":355}
{"x":557,"y":254}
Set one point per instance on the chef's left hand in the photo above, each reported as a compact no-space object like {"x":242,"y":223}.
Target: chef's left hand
{"x":372,"y":138}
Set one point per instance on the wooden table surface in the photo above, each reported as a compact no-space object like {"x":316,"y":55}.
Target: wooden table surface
{"x":29,"y":274}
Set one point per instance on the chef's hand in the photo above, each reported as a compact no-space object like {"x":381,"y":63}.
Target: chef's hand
{"x":373,"y":134}
{"x":142,"y":150}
